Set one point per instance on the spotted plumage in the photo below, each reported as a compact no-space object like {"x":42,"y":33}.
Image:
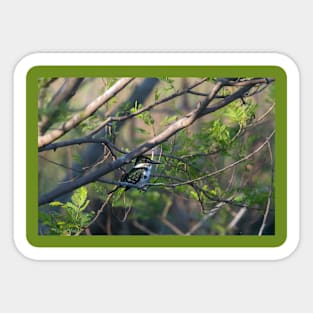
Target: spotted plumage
{"x":139,"y":175}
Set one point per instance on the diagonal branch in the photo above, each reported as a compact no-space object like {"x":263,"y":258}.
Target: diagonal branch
{"x":89,"y":137}
{"x":121,"y":118}
{"x":267,"y":209}
{"x":89,"y":110}
{"x":211,"y":213}
{"x":79,"y":141}
{"x":64,"y":94}
{"x":219,"y":171}
{"x":202,"y":109}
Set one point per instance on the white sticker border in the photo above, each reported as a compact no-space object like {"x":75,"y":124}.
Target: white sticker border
{"x":157,"y":58}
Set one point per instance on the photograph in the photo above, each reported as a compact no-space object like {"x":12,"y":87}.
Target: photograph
{"x":153,"y":156}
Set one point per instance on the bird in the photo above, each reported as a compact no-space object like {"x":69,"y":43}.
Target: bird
{"x":139,"y":175}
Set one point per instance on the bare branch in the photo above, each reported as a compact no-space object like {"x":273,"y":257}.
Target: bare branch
{"x":199,"y":189}
{"x":212,"y":212}
{"x":50,"y":81}
{"x":201,"y":110}
{"x":61,"y":165}
{"x":269,"y":197}
{"x":262,"y":117}
{"x":89,"y":139}
{"x":89,"y":110}
{"x":64,"y":94}
{"x":142,"y":227}
{"x":247,"y":82}
{"x":144,"y":109}
{"x":171,"y":226}
{"x":239,"y":94}
{"x":79,"y":141}
{"x":248,"y":156}
{"x":121,"y":183}
{"x":237,"y":218}
{"x":104,"y":204}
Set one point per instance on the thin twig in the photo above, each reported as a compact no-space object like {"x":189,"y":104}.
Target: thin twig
{"x":63,"y":95}
{"x":262,"y":117}
{"x":61,"y":165}
{"x":108,"y":223}
{"x":202,"y":109}
{"x":166,"y":209}
{"x":171,"y":226}
{"x":97,"y":214}
{"x":247,"y":82}
{"x":126,"y":213}
{"x":248,"y":156}
{"x":269,"y":197}
{"x":110,"y":119}
{"x":205,"y":192}
{"x":89,"y":139}
{"x":212,"y":212}
{"x":143,"y":228}
{"x":81,"y":116}
{"x":79,"y":141}
{"x":237,"y":218}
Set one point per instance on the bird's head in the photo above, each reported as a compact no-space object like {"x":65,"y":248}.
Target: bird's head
{"x":145,"y":161}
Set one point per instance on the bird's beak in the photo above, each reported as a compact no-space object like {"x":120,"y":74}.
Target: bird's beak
{"x":155,"y":162}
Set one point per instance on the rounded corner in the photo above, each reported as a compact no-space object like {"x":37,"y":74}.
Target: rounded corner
{"x":26,"y":243}
{"x":24,"y":248}
{"x":287,"y":248}
{"x":287,"y":63}
{"x":285,"y":245}
{"x":26,"y":64}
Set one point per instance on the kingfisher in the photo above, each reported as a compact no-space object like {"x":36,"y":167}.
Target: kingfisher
{"x":140,"y":174}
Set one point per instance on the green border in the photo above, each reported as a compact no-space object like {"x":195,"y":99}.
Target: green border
{"x":157,"y":241}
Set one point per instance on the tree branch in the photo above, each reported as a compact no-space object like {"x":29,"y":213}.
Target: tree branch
{"x":89,"y":139}
{"x":64,"y":94}
{"x":248,"y":156}
{"x":255,"y":81}
{"x":144,"y":109}
{"x":89,"y":110}
{"x":212,"y":212}
{"x":269,"y":197}
{"x":104,"y":204}
{"x":201,"y":110}
{"x":79,"y":141}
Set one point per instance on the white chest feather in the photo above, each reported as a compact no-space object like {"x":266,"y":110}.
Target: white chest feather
{"x":146,"y":172}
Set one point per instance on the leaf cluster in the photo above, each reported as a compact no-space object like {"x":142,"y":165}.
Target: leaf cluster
{"x":145,"y":116}
{"x":70,"y":217}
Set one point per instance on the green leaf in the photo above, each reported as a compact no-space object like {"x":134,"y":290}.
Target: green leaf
{"x":79,"y":196}
{"x":219,"y":134}
{"x":111,"y":81}
{"x":70,"y":206}
{"x":194,"y":195}
{"x":170,"y":83}
{"x":156,"y":94}
{"x":141,"y":131}
{"x":85,"y":205}
{"x":56,"y":203}
{"x":146,"y":117}
{"x":239,"y":198}
{"x":168,"y":120}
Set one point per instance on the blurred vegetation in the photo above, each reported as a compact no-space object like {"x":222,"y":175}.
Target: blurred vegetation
{"x":230,"y":179}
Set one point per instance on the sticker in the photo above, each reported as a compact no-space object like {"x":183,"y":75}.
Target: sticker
{"x":156,"y":156}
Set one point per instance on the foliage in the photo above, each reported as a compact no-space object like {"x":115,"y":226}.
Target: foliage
{"x":145,"y":116}
{"x":205,"y":168}
{"x":70,"y":217}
